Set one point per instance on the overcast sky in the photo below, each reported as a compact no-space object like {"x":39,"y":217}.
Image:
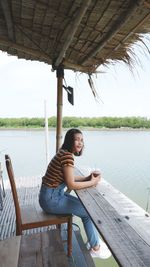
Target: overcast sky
{"x":26,"y":84}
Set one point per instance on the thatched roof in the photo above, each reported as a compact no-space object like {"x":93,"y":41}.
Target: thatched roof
{"x":82,"y":34}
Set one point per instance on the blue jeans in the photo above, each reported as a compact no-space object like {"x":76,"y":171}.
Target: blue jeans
{"x":55,"y":200}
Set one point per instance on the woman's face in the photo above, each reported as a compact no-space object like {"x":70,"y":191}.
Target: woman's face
{"x":78,"y":143}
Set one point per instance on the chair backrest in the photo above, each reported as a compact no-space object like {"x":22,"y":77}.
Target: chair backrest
{"x":14,"y":192}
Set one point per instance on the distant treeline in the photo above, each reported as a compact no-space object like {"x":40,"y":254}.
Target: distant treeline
{"x":69,"y":122}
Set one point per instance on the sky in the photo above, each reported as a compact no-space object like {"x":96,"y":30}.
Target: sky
{"x":25,"y":85}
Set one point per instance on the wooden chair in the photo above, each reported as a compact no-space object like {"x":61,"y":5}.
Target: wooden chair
{"x":32,"y":216}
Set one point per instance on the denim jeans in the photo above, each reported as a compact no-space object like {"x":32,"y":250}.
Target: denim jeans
{"x":55,"y":200}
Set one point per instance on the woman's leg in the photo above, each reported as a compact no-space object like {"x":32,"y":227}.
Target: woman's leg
{"x":71,"y":204}
{"x":55,"y":201}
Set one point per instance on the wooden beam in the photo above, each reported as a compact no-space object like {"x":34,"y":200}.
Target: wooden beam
{"x":76,"y":67}
{"x":122,"y":20}
{"x":8,"y":18}
{"x":71,"y":30}
{"x":146,"y":4}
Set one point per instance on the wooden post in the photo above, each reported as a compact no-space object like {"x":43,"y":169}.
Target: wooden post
{"x":60,"y":76}
{"x":46,"y":133}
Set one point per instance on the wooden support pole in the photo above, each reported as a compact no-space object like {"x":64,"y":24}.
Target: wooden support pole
{"x":60,"y":76}
{"x":46,"y":133}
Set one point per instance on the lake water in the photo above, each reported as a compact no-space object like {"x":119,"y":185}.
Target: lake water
{"x":122,"y":156}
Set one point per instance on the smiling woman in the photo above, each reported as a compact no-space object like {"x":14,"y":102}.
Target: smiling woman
{"x":59,"y":174}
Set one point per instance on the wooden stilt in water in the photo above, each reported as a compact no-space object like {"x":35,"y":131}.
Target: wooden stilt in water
{"x":60,"y":76}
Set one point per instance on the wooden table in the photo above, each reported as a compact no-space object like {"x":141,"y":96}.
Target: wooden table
{"x":124,"y":226}
{"x":37,"y":250}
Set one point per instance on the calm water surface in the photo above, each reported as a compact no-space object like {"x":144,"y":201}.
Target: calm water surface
{"x":122,"y":156}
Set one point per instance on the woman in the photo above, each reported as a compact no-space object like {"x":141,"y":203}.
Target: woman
{"x":59,"y":174}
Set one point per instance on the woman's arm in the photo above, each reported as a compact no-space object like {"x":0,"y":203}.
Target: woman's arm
{"x":82,"y":178}
{"x":74,"y":184}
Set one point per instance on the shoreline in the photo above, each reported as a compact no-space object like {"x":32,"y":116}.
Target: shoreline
{"x":82,"y":128}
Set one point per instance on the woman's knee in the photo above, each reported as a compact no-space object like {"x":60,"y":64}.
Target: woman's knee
{"x":86,"y":218}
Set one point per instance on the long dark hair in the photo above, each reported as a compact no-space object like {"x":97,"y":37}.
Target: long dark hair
{"x":69,"y":140}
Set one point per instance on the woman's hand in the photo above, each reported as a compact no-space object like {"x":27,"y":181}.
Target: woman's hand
{"x":95,"y":178}
{"x":74,"y":184}
{"x":96,"y":173}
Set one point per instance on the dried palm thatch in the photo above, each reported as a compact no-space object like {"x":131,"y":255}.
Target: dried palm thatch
{"x":81,"y":34}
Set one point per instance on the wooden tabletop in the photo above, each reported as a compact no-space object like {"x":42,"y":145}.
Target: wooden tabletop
{"x":124,"y":226}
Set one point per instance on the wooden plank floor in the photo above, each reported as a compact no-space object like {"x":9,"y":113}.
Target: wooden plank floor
{"x":28,"y":188}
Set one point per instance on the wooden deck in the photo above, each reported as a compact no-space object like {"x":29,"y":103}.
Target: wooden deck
{"x":28,"y":188}
{"x":41,"y":249}
{"x":119,"y":219}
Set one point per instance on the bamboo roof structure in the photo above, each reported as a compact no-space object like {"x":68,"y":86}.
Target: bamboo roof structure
{"x":81,"y":34}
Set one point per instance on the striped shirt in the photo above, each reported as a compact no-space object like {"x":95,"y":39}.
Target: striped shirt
{"x":54,"y":174}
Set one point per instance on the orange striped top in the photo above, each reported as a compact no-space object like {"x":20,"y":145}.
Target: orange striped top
{"x":54,"y":173}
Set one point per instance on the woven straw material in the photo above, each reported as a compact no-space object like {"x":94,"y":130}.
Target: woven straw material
{"x":81,"y":34}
